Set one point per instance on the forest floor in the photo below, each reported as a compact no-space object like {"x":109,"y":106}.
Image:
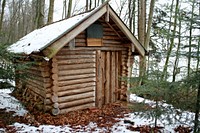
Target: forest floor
{"x":111,"y":118}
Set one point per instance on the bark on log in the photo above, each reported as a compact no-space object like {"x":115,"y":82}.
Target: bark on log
{"x":76,"y":91}
{"x":75,"y":97}
{"x":76,"y":86}
{"x":89,"y":105}
{"x":76,"y":103}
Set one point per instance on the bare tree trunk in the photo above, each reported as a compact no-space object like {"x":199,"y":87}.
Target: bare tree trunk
{"x":87,"y":5}
{"x":196,"y":121}
{"x":171,"y":42}
{"x":95,"y":3}
{"x":175,"y":70}
{"x":130,"y":10}
{"x":141,"y":20}
{"x":198,"y":49}
{"x":2,"y":13}
{"x":133,"y":15}
{"x":90,"y":5}
{"x":64,"y":11}
{"x":69,"y":8}
{"x":190,"y":38}
{"x":198,"y":54}
{"x":147,"y":39}
{"x":50,"y":13}
{"x":141,"y":34}
{"x":170,"y":24}
{"x":39,"y":20}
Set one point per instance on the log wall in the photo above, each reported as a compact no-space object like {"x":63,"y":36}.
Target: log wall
{"x":76,"y":70}
{"x":37,"y":83}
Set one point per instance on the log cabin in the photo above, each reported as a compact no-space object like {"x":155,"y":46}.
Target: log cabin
{"x":78,"y":61}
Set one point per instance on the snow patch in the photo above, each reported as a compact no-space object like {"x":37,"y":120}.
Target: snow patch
{"x":11,"y":104}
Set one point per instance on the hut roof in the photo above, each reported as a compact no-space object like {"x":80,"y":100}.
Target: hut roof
{"x":48,"y":39}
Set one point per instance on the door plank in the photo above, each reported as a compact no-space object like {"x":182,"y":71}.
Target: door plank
{"x":99,"y":80}
{"x":113,"y":77}
{"x":107,"y":84}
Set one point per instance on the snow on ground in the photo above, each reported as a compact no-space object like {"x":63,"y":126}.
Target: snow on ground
{"x":182,"y":118}
{"x":10,"y":103}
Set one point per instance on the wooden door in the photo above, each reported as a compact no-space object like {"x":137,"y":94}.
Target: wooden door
{"x":108,"y":71}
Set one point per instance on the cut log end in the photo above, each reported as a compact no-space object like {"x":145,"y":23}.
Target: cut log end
{"x":55,"y":111}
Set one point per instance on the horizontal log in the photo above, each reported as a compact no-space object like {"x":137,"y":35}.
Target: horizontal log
{"x":111,"y":37}
{"x":40,"y":79}
{"x":72,"y":92}
{"x":36,"y":90}
{"x":107,"y":29}
{"x":76,"y":66}
{"x":82,"y":35}
{"x":60,"y":57}
{"x":76,"y":72}
{"x":33,"y":73}
{"x":76,"y":91}
{"x":83,"y":40}
{"x":43,"y":63}
{"x":101,"y":48}
{"x":39,"y":68}
{"x":85,"y":106}
{"x":39,"y":83}
{"x":33,"y":84}
{"x":76,"y":61}
{"x":76,"y":103}
{"x":111,"y":42}
{"x":71,"y":77}
{"x":113,"y":45}
{"x":67,"y":51}
{"x":76,"y":86}
{"x":75,"y":97}
{"x":108,"y":33}
{"x":80,"y":44}
{"x":76,"y":81}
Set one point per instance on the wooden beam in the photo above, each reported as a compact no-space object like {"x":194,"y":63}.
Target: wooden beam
{"x":113,"y":68}
{"x":108,"y":78}
{"x":127,"y":32}
{"x":107,"y":13}
{"x":99,"y":80}
{"x":115,"y":31}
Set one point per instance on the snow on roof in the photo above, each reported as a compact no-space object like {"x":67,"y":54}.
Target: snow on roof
{"x":38,"y":39}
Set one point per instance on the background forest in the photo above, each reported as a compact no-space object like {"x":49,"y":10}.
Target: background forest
{"x":169,"y":30}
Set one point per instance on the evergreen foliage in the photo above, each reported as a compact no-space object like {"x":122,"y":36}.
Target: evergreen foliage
{"x":8,"y":68}
{"x":156,"y":89}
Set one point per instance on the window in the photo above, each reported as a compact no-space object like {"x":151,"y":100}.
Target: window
{"x":94,"y":35}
